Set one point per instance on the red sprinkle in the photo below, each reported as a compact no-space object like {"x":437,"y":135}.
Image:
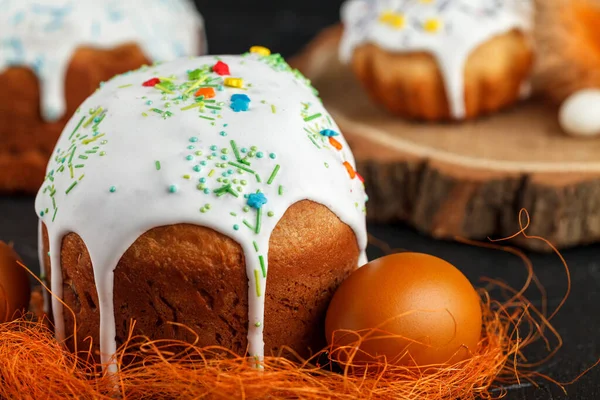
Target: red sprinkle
{"x":151,"y":82}
{"x":360,"y":177}
{"x":221,"y":68}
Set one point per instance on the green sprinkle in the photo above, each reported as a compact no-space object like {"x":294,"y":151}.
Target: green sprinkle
{"x":186,"y":177}
{"x":205,"y":117}
{"x":71,"y":170}
{"x":280,"y":190}
{"x":258,"y":324}
{"x":72,"y":155}
{"x":81,"y":177}
{"x":91,"y":118}
{"x":261,"y":259}
{"x":77,"y":127}
{"x":273,"y":108}
{"x":256,"y":278}
{"x":258,"y":220}
{"x":314,"y":141}
{"x":258,"y":178}
{"x":213,"y":107}
{"x":273,"y":174}
{"x":125,"y":86}
{"x":83,"y":157}
{"x":248,"y":224}
{"x":79,"y":166}
{"x":71,"y":187}
{"x":92,"y":139}
{"x":233,"y":214}
{"x":211,"y":173}
{"x":235,"y":149}
{"x":255,"y":246}
{"x":54,"y":216}
{"x":157,"y":165}
{"x":95,"y":127}
{"x":112,"y":189}
{"x":158,"y":111}
{"x":195,"y":105}
{"x":315,"y":116}
{"x":270,"y":213}
{"x":161,"y":87}
{"x":242,"y":167}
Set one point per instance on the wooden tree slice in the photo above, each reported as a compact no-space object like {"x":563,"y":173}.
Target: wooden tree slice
{"x":464,"y":179}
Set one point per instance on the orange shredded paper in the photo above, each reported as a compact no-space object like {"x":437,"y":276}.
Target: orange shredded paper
{"x":33,"y":365}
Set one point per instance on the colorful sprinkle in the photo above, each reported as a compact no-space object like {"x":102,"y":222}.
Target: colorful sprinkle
{"x":151,"y":82}
{"x":220,"y":68}
{"x":263,"y":51}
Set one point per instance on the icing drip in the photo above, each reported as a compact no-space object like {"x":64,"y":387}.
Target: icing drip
{"x":450,"y":30}
{"x":44,"y":34}
{"x":229,"y":143}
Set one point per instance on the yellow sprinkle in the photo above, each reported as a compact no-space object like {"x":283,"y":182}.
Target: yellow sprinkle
{"x":234,"y":82}
{"x":211,"y":173}
{"x":432,"y":25}
{"x":263,"y":51}
{"x":393,"y":19}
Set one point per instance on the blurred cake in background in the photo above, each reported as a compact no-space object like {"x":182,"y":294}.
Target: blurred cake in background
{"x":55,"y":53}
{"x":440,"y":59}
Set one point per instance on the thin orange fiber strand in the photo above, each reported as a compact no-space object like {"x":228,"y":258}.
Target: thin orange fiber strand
{"x":34,"y":365}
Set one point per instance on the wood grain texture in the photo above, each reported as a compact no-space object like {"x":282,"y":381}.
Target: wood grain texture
{"x":464,"y":179}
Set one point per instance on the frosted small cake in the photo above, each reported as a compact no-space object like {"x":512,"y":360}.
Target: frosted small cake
{"x":215,"y":192}
{"x":55,"y":53}
{"x":439,"y":59}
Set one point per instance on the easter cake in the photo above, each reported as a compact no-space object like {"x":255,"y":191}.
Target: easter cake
{"x":439,"y":60}
{"x":214,"y":192}
{"x":53,"y":54}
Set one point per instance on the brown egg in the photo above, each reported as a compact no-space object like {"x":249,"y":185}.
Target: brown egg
{"x":14,"y":284}
{"x":430,"y":308}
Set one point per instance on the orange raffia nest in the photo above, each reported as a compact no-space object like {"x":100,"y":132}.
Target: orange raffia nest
{"x":34,"y":365}
{"x":568,"y":40}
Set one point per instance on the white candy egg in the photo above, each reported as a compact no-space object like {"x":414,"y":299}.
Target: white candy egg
{"x":579,"y":115}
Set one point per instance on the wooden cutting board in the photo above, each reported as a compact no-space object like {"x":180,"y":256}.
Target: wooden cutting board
{"x":466,"y":179}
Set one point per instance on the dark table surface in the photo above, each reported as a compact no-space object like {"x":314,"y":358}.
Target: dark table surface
{"x":285,"y":26}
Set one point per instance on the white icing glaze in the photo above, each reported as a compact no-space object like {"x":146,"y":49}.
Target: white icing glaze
{"x":284,"y":122}
{"x":447,"y":29}
{"x":579,"y":115}
{"x":44,"y":35}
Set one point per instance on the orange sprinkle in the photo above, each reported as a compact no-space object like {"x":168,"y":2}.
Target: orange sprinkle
{"x":208,"y":93}
{"x":335,"y":143}
{"x":351,"y":171}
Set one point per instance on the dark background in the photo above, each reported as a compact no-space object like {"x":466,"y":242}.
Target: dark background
{"x":285,"y":27}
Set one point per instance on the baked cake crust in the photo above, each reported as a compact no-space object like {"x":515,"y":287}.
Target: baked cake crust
{"x":197,"y":277}
{"x":26,"y":139}
{"x":411,"y":84}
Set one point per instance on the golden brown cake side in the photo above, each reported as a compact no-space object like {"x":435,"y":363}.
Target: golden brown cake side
{"x":197,"y":277}
{"x":26,"y":140}
{"x":411,"y":84}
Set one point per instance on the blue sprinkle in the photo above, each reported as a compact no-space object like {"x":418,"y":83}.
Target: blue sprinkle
{"x":224,"y":157}
{"x":203,"y":163}
{"x":149,"y":102}
{"x":223,"y":133}
{"x":244,"y":150}
{"x":213,"y":147}
{"x":273,"y":156}
{"x":190,"y":157}
{"x":224,"y":174}
{"x":173,"y":189}
{"x":202,"y":180}
{"x":191,"y":147}
{"x":240,"y":102}
{"x":207,"y":191}
{"x":230,"y":171}
{"x":329,"y":133}
{"x":112,"y":189}
{"x":193,"y":139}
{"x":197,"y":168}
{"x":259,"y":154}
{"x":236,"y":227}
{"x":256,"y":200}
